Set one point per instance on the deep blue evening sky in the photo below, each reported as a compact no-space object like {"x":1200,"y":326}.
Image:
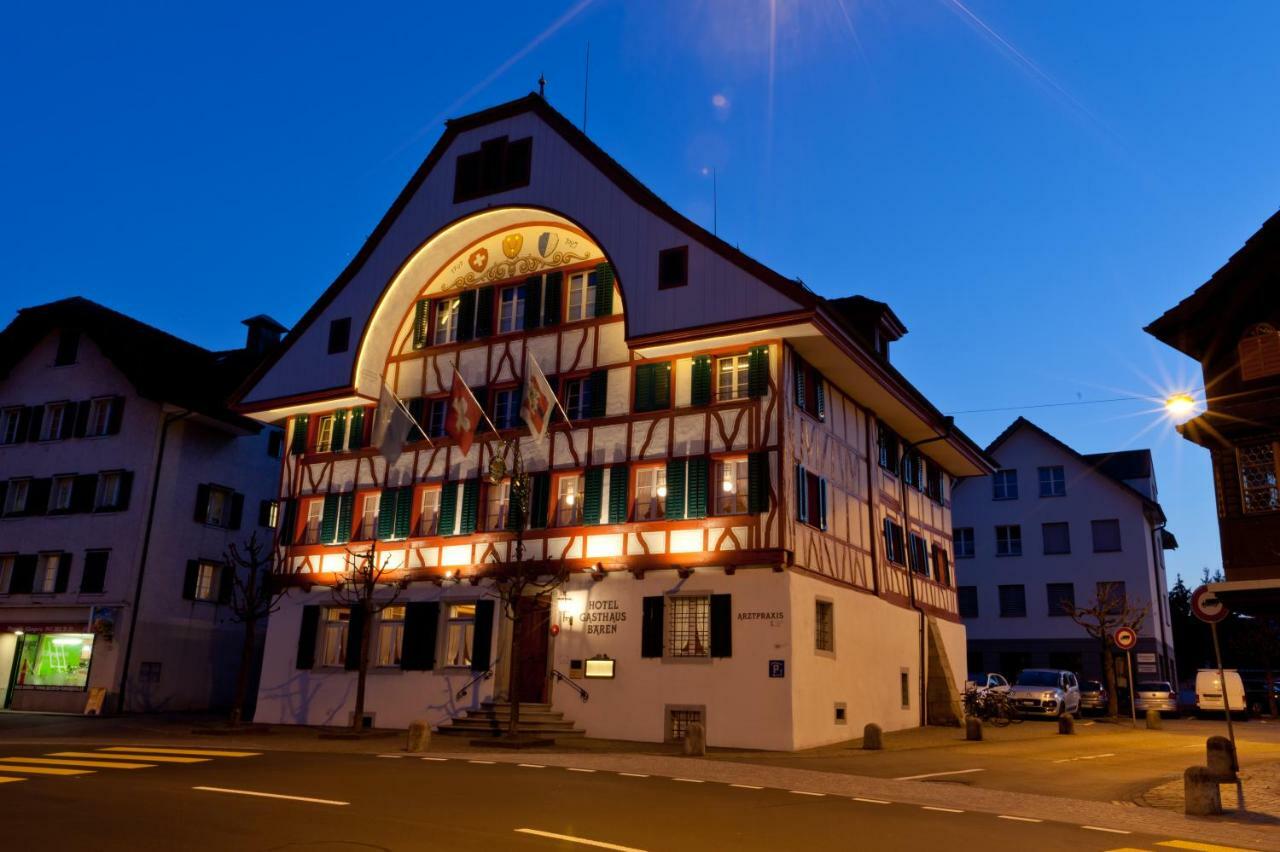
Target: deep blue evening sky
{"x":1028,"y":184}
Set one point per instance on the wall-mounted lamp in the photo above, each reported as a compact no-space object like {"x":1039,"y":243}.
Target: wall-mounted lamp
{"x":596,"y":572}
{"x":569,"y":608}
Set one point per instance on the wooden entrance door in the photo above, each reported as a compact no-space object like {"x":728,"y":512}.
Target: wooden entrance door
{"x":533,"y":645}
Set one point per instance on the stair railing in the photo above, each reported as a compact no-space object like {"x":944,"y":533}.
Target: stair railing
{"x":563,"y":678}
{"x":484,"y":675}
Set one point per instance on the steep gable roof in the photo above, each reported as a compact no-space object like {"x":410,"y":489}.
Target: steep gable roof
{"x":159,"y":366}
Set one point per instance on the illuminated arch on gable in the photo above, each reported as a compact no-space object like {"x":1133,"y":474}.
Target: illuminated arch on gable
{"x":478,"y":250}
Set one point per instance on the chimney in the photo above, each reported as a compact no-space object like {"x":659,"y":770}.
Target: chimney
{"x":264,"y":333}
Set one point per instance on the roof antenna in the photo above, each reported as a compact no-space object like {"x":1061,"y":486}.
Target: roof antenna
{"x":586,"y":87}
{"x":542,"y":86}
{"x":715,"y":205}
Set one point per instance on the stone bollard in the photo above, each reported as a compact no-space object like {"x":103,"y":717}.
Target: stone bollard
{"x":1201,"y":796}
{"x":695,"y":740}
{"x":872,"y":737}
{"x":1221,"y":759}
{"x":419,"y":736}
{"x":972,"y":728}
{"x":1066,"y":724}
{"x":1154,"y":722}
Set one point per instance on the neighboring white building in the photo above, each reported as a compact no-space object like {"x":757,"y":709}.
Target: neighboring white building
{"x":727,"y":497}
{"x":1051,"y":525}
{"x":123,"y":478}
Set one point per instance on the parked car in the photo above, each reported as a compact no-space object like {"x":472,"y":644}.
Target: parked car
{"x":1046,"y":692}
{"x":1209,"y":692}
{"x":984,"y":681}
{"x":1158,"y":695}
{"x":1255,"y":691}
{"x":1093,"y":696}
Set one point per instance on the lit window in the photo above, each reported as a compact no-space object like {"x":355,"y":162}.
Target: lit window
{"x":582,"y":296}
{"x":731,"y":377}
{"x":99,"y":417}
{"x":689,"y":626}
{"x":10,"y":420}
{"x":108,"y":496}
{"x":1009,"y":540}
{"x":731,"y":490}
{"x":334,"y":637}
{"x":368,"y":530}
{"x":315,"y":513}
{"x":324,"y":434}
{"x":47,"y":576}
{"x":459,"y":634}
{"x":55,"y":659}
{"x":824,"y":636}
{"x":1258,"y":482}
{"x":496,"y":501}
{"x":390,"y":636}
{"x":1053,"y":481}
{"x":1004,"y":485}
{"x":51,"y":425}
{"x":569,"y":501}
{"x":430,"y":515}
{"x":206,"y":588}
{"x":6,"y":571}
{"x":446,"y":321}
{"x":577,"y":398}
{"x":651,"y":493}
{"x":16,"y":501}
{"x":60,"y":494}
{"x":506,"y":408}
{"x":510,"y":310}
{"x":218,"y":513}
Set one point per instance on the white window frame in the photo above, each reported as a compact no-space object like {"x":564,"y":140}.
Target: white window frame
{"x":48,"y":432}
{"x":46,"y":580}
{"x":334,"y":625}
{"x":445,"y":329}
{"x":19,"y":492}
{"x":732,"y":377}
{"x":218,"y":510}
{"x":497,"y":503}
{"x":429,"y":516}
{"x":1001,"y":485}
{"x":506,"y":408}
{"x":60,"y":492}
{"x":207,"y":583}
{"x":1004,"y":547}
{"x":108,"y":493}
{"x":99,"y":417}
{"x":569,"y":499}
{"x":731,"y":487}
{"x":459,"y":634}
{"x":315,"y":516}
{"x":390,"y":636}
{"x":12,"y":419}
{"x":966,"y":552}
{"x":651,"y":493}
{"x":1053,"y":480}
{"x":582,"y":296}
{"x":577,"y":398}
{"x":511,"y":310}
{"x":369,"y":507}
{"x":680,"y":610}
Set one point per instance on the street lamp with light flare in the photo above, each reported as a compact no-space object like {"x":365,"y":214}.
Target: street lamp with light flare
{"x":1180,"y":406}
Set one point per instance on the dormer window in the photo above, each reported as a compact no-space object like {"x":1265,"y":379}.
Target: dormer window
{"x":498,"y":166}
{"x":1259,"y":352}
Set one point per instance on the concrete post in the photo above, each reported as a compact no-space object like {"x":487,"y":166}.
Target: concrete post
{"x":1221,"y":759}
{"x":1201,"y":796}
{"x":419,"y":736}
{"x":695,"y":740}
{"x":872,"y":737}
{"x":972,"y":728}
{"x":1066,"y":724}
{"x":1154,"y":723}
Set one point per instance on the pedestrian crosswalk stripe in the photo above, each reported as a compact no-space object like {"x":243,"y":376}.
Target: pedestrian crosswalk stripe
{"x":47,"y":770}
{"x":4,"y":780}
{"x":95,"y":764}
{"x":197,"y":752}
{"x":148,"y":757}
{"x":1199,"y":847}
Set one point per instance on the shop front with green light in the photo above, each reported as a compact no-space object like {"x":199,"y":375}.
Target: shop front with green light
{"x":53,"y":661}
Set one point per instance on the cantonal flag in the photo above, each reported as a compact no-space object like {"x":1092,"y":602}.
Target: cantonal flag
{"x":539,"y":399}
{"x":464,"y":414}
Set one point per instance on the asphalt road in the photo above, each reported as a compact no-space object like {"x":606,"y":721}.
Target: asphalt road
{"x":150,"y":801}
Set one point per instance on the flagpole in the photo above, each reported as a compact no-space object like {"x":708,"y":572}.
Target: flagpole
{"x":409,"y":414}
{"x":555,"y":393}
{"x":483,"y":413}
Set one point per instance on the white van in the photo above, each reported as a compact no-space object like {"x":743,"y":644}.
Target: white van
{"x":1209,"y":691}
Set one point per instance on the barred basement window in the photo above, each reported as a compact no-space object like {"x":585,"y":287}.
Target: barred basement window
{"x":689,"y":626}
{"x":1258,"y":482}
{"x":824,"y":638}
{"x":149,"y":672}
{"x":678,"y":722}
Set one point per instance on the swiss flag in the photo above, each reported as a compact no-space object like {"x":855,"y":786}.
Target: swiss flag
{"x":464,"y":414}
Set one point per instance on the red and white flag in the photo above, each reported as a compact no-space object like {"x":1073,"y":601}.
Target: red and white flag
{"x":539,"y":399}
{"x":464,"y":414}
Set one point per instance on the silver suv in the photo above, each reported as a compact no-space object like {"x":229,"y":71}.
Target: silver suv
{"x":1046,"y":692}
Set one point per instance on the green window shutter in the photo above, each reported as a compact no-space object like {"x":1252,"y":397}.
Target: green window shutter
{"x":644,"y":388}
{"x":404,"y":511}
{"x":484,"y":312}
{"x":482,"y":638}
{"x":532,"y":302}
{"x":417,"y":410}
{"x":802,"y":494}
{"x":289,"y":520}
{"x":758,"y":482}
{"x":758,"y":371}
{"x":448,"y":507}
{"x":822,"y":505}
{"x":619,"y":487}
{"x":515,"y":518}
{"x":697,"y":487}
{"x":551,"y":298}
{"x":356,"y":428}
{"x":329,"y":520}
{"x":604,"y":289}
{"x":386,"y":514}
{"x":675,"y":489}
{"x":798,"y":372}
{"x":598,"y":392}
{"x":593,"y":488}
{"x":308,"y":631}
{"x":721,"y":624}
{"x":346,"y":503}
{"x":339,"y":430}
{"x":651,"y":626}
{"x":539,"y":499}
{"x":662,"y":386}
{"x":820,"y":398}
{"x":470,"y":505}
{"x":466,"y":315}
{"x":700,"y":381}
{"x":421,"y":321}
{"x":418,"y":647}
{"x":298,"y":444}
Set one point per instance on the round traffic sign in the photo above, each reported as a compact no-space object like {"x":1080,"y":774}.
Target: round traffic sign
{"x":1207,"y":606}
{"x":1125,"y":638}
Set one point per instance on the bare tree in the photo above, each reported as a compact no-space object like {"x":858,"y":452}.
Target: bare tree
{"x":1111,"y":609}
{"x":253,"y":598}
{"x":366,"y":587}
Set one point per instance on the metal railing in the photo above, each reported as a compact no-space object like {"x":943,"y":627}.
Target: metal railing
{"x":484,"y":675}
{"x":563,"y":678}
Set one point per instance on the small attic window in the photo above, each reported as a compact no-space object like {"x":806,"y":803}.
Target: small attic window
{"x":68,"y":347}
{"x":498,"y":166}
{"x":339,"y":335}
{"x":673,"y":267}
{"x":1259,"y":352}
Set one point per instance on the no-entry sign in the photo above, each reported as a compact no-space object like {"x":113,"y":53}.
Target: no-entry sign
{"x":1125,"y":638}
{"x":1207,"y":607}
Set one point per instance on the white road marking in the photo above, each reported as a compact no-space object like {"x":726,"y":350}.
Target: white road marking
{"x":259,"y":794}
{"x":483,"y":762}
{"x":937,"y":774}
{"x":198,"y":752}
{"x":576,"y":769}
{"x":1107,"y":830}
{"x":690,"y":780}
{"x":531,"y":765}
{"x":150,"y":758}
{"x":1018,"y":818}
{"x":633,"y":775}
{"x":872,"y":801}
{"x":941,"y":810}
{"x":569,"y":838}
{"x":436,"y":759}
{"x":805,"y":793}
{"x":1086,"y":757}
{"x":392,"y":756}
{"x":746,"y":786}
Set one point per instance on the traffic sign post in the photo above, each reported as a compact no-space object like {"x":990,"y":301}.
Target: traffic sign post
{"x":1126,"y":638}
{"x":1206,"y":606}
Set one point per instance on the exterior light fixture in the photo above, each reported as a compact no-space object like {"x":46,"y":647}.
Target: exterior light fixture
{"x":19,"y":633}
{"x":1180,"y":406}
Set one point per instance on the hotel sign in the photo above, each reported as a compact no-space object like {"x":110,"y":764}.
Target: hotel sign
{"x":603,"y":617}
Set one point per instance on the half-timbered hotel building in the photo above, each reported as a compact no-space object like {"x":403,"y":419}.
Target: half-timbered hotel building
{"x":753,"y":504}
